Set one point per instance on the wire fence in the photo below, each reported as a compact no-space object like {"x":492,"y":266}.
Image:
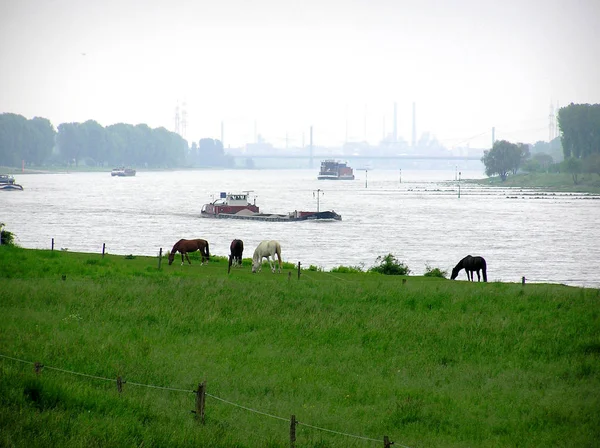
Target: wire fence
{"x":201,"y":392}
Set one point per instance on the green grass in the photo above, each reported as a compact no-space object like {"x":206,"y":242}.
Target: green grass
{"x":430,"y":362}
{"x":587,"y":183}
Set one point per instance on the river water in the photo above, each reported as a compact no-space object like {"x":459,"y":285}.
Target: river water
{"x":418,"y":216}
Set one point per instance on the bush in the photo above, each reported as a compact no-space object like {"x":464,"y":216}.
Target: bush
{"x":348,"y":269}
{"x":435,"y":272}
{"x":389,"y":265}
{"x":6,"y":237}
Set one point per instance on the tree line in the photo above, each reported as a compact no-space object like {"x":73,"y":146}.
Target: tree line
{"x":35,"y":142}
{"x":579,"y":139}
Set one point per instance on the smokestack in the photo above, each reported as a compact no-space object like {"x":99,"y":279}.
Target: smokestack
{"x":414,"y":129}
{"x":395,"y":123}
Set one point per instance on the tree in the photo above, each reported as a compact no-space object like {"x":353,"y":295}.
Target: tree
{"x":580,"y":129}
{"x":503,"y":158}
{"x":591,"y":164}
{"x":574,"y":166}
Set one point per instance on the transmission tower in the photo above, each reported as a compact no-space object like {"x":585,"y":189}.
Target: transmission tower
{"x":551,"y":123}
{"x":183,"y":119}
{"x":177,"y":124}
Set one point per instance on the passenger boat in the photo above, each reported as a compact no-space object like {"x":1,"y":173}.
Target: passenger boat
{"x":123,"y":172}
{"x":238,"y":206}
{"x":334,"y":170}
{"x":7,"y":182}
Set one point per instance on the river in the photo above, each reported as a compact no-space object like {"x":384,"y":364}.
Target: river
{"x":418,"y":216}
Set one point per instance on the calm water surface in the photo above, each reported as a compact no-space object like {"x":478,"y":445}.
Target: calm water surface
{"x":417,"y":216}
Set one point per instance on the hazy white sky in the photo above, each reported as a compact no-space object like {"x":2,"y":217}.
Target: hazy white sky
{"x":286,"y":65}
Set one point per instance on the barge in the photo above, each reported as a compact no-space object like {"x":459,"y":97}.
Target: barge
{"x":238,"y":206}
{"x":334,"y":170}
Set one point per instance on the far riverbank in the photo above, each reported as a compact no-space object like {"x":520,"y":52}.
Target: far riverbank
{"x":563,"y":182}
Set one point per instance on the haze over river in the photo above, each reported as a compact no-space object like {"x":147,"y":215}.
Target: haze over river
{"x":417,"y":216}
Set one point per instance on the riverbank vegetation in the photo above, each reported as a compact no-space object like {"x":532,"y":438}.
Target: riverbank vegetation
{"x":423,"y":360}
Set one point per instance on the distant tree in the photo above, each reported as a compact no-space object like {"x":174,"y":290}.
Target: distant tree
{"x":503,"y":158}
{"x":591,"y":164}
{"x":538,"y":163}
{"x":13,"y":138}
{"x":40,"y":140}
{"x":70,"y":142}
{"x":574,"y":166}
{"x":580,"y":129}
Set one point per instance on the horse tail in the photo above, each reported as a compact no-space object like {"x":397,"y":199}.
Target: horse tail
{"x":484,"y":269}
{"x":207,"y":251}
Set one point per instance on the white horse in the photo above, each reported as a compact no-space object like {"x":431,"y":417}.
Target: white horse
{"x":266,"y":249}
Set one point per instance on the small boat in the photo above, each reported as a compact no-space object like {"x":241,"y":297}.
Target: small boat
{"x":237,"y":206}
{"x":7,"y":182}
{"x":123,"y":172}
{"x":335,"y":170}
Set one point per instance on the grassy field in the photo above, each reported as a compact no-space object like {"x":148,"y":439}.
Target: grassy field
{"x":355,"y":357}
{"x":587,"y":183}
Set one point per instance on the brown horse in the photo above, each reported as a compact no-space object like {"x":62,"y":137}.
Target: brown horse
{"x":185,"y":246}
{"x":235,"y":258}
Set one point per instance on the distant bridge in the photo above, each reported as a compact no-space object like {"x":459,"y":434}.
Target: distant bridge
{"x":355,"y":157}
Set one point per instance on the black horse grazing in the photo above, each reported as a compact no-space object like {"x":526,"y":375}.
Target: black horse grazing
{"x":185,"y":246}
{"x":235,"y":258}
{"x":471,"y":264}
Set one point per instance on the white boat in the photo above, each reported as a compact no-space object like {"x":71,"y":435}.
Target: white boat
{"x":7,"y":182}
{"x":122,"y":172}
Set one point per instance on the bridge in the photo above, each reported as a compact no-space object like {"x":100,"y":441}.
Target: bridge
{"x":355,"y":157}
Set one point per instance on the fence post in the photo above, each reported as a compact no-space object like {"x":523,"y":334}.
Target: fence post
{"x":200,"y":397}
{"x":298,"y":270}
{"x":120,"y":383}
{"x":103,"y":248}
{"x":386,"y":442}
{"x":523,"y":281}
{"x":293,"y":423}
{"x":52,"y":244}
{"x":38,"y":367}
{"x":159,"y":257}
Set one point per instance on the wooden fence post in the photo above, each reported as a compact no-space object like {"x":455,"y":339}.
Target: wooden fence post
{"x":523,"y":281}
{"x":298,"y":270}
{"x":38,"y":367}
{"x":293,"y":423}
{"x":159,"y":257}
{"x":52,"y":244}
{"x":200,"y":397}
{"x":386,"y":442}
{"x":103,"y":249}
{"x":120,"y":383}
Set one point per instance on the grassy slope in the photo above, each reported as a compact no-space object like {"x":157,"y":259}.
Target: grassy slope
{"x":428,"y":363}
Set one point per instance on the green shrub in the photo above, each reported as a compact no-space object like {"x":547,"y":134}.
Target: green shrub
{"x":435,"y":272}
{"x":389,"y":265}
{"x":6,"y":237}
{"x":348,"y":269}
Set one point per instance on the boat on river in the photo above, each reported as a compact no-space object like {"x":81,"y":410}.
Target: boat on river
{"x":123,"y":172}
{"x":7,"y":182}
{"x":238,"y":206}
{"x":335,"y":170}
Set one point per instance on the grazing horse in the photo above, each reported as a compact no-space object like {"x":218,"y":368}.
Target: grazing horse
{"x":235,"y":258}
{"x":266,"y":249}
{"x":185,"y":246}
{"x":471,"y":264}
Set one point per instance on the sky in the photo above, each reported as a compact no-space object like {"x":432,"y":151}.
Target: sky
{"x":277,"y":67}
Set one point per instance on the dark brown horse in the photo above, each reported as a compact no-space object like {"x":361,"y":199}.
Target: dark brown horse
{"x":471,"y":264}
{"x":235,"y":258}
{"x":185,"y":246}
